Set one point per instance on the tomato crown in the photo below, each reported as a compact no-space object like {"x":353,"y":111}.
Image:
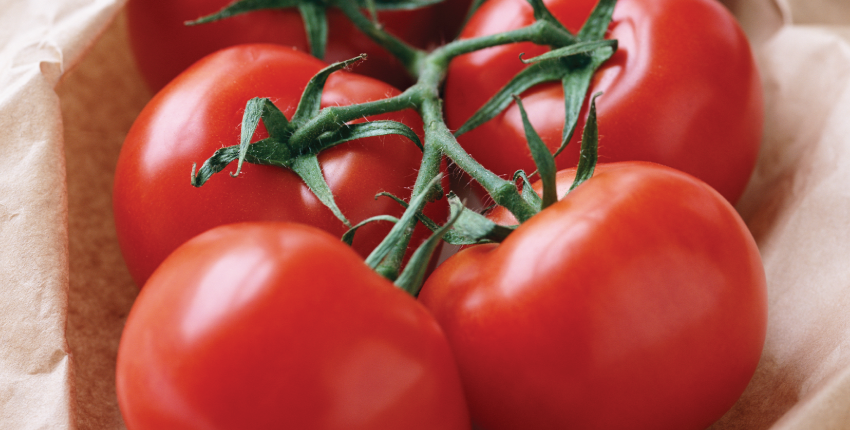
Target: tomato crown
{"x":316,"y":21}
{"x":295,"y":143}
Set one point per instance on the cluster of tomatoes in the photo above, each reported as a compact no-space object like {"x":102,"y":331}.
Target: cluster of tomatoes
{"x":636,"y":301}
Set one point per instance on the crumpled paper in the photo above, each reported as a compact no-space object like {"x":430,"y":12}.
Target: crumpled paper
{"x":65,"y":291}
{"x":798,"y":207}
{"x":39,"y":41}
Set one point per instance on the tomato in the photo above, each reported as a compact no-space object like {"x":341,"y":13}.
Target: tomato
{"x":156,"y":208}
{"x":637,"y":301}
{"x":274,"y":325}
{"x":682,"y":90}
{"x":164,"y":47}
{"x":452,"y":14}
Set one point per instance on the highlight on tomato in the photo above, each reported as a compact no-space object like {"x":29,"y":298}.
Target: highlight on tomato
{"x":636,"y":301}
{"x":278,"y":325}
{"x":682,"y":90}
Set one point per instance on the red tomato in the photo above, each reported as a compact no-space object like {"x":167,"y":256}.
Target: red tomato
{"x":262,"y":325}
{"x":638,"y":301}
{"x":451,"y":13}
{"x":156,"y":208}
{"x":682,"y":90}
{"x":164,"y":47}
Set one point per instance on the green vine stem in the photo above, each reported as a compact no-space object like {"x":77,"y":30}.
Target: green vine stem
{"x":429,"y":70}
{"x":409,"y":56}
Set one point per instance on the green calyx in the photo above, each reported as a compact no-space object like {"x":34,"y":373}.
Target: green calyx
{"x":314,"y":15}
{"x":287,"y":148}
{"x":295,"y":143}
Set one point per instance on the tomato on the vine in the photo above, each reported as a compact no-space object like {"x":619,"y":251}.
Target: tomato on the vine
{"x":164,"y":46}
{"x":275,"y":325}
{"x":156,"y":208}
{"x":637,"y":301}
{"x":682,"y":90}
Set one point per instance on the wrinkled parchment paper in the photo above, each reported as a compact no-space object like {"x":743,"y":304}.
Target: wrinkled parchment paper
{"x":69,"y":92}
{"x":39,"y":41}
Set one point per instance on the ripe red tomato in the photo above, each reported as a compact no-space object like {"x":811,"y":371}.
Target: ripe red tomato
{"x":273,"y":325}
{"x":452,"y":14}
{"x":682,"y":90}
{"x":638,"y":301}
{"x":164,"y":47}
{"x":156,"y":209}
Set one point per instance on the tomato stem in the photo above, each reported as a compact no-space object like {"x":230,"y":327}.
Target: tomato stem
{"x":409,"y":56}
{"x":429,"y":70}
{"x":541,"y":33}
{"x":330,"y":118}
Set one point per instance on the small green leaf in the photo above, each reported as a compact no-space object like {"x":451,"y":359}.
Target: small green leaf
{"x":543,"y":159}
{"x":597,"y":24}
{"x":576,"y":85}
{"x":575,"y":88}
{"x":413,"y":275}
{"x":348,"y":237}
{"x":555,"y":65}
{"x":274,"y":120}
{"x":451,"y":236}
{"x":311,"y":99}
{"x":245,"y":6}
{"x":398,"y":231}
{"x":270,"y":152}
{"x":541,"y":13}
{"x":572,"y":50}
{"x":538,"y":73}
{"x":589,"y":147}
{"x":316,"y":25}
{"x":473,"y":228}
{"x":267,"y":151}
{"x":250,"y":120}
{"x":350,"y":132}
{"x":219,"y":160}
{"x":307,"y":168}
{"x":528,"y":194}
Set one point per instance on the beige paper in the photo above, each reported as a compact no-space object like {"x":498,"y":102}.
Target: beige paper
{"x":39,"y":41}
{"x":100,"y":100}
{"x":798,"y":206}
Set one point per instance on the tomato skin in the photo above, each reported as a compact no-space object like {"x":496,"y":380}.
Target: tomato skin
{"x":638,"y":301}
{"x":452,"y":14}
{"x":164,"y":47}
{"x":155,"y":207}
{"x":264,"y":325}
{"x":682,"y":90}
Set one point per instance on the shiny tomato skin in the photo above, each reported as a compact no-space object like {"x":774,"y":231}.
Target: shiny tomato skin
{"x":155,"y":207}
{"x":638,"y":301}
{"x":164,"y":46}
{"x":682,"y":90}
{"x":275,"y":325}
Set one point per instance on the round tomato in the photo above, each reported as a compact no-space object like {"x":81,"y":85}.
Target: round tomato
{"x":156,"y":208}
{"x":274,"y":325}
{"x":637,"y":301}
{"x":682,"y":90}
{"x":164,"y":46}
